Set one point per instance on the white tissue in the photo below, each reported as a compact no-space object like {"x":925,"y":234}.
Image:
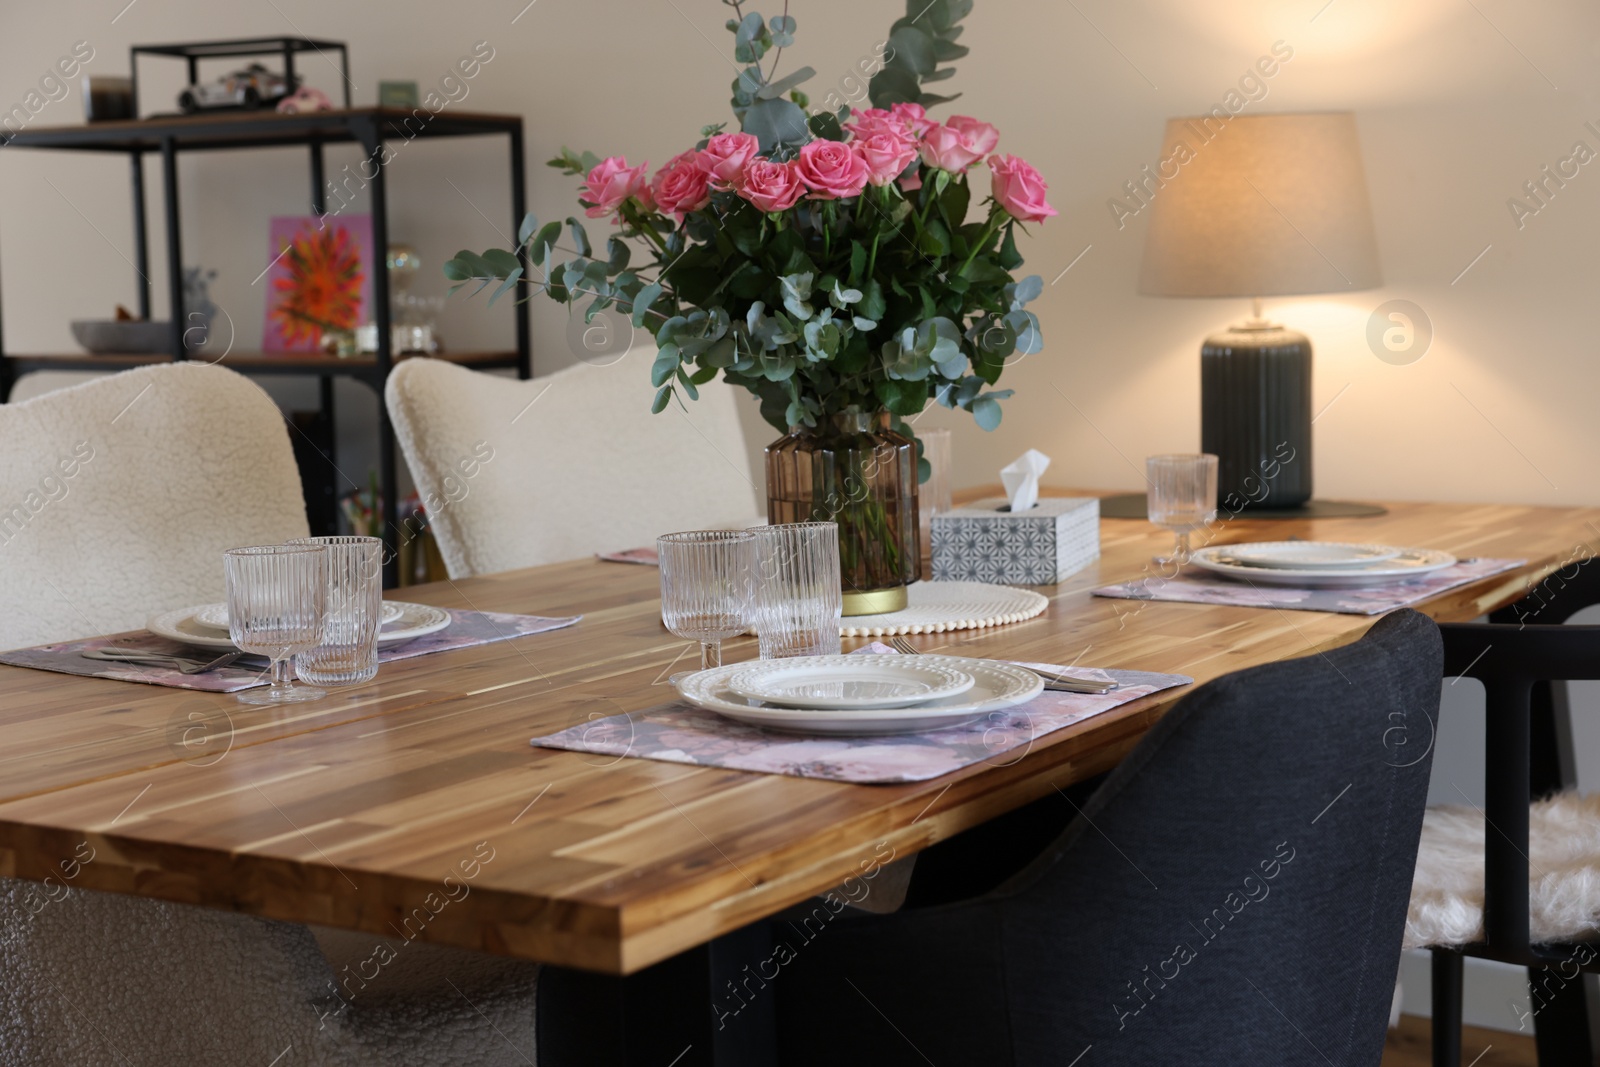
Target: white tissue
{"x":1021,"y":478}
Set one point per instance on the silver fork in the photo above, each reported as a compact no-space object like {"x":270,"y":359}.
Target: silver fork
{"x":1056,"y":683}
{"x":141,"y":657}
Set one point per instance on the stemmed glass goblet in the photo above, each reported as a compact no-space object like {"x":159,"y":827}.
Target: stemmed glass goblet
{"x":277,"y":595}
{"x":1182,"y":497}
{"x":707,"y":587}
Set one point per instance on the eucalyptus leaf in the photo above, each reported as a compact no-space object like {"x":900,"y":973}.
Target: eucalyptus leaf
{"x":663,"y":398}
{"x":913,"y":50}
{"x":580,"y":239}
{"x":641,"y":303}
{"x":529,"y":224}
{"x":505,"y":286}
{"x":543,"y":242}
{"x":775,"y":122}
{"x":618,"y":254}
{"x":986,"y":412}
{"x":784,"y":84}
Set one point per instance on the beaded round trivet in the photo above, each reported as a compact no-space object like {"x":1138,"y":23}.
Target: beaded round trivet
{"x":937,"y":607}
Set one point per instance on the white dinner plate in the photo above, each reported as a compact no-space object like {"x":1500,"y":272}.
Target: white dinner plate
{"x":1310,"y":555}
{"x":415,"y":620}
{"x":994,"y":686}
{"x":215,"y":616}
{"x":850,"y":683}
{"x":1410,"y":563}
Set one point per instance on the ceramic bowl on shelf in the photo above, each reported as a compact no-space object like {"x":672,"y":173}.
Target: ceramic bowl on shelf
{"x":113,"y":337}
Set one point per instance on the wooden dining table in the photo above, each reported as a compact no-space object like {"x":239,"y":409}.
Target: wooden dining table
{"x":349,"y":811}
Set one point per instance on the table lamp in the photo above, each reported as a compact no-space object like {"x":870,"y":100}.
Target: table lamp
{"x":1255,"y":206}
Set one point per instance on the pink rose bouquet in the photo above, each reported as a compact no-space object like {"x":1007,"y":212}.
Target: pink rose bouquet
{"x":822,"y":257}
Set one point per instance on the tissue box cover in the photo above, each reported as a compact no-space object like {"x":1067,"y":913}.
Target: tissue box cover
{"x":1056,"y":537}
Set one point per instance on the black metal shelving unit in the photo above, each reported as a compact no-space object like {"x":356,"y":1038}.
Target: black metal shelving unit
{"x":371,"y":128}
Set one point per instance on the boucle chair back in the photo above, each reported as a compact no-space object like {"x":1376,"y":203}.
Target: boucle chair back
{"x":518,"y":473}
{"x":118,"y":496}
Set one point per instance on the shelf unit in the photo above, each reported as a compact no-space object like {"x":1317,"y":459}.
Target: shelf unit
{"x":370,"y":128}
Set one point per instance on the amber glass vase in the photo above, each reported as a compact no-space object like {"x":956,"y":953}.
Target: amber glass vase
{"x":855,"y":471}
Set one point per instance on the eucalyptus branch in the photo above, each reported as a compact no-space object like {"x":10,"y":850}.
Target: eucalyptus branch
{"x":544,"y":286}
{"x":776,"y":56}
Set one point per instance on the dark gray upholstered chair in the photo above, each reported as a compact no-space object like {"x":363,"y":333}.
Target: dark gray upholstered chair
{"x":1234,"y":893}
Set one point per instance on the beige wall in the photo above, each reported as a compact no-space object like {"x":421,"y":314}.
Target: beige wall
{"x":1454,"y":117}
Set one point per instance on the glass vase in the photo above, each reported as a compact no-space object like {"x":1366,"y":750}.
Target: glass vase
{"x":855,"y":471}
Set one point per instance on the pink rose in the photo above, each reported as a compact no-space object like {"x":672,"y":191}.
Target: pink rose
{"x":681,"y":186}
{"x":914,"y":116}
{"x":610,"y":184}
{"x":958,"y":144}
{"x":876,"y":120}
{"x":1018,"y":188}
{"x":726,"y":154}
{"x":886,"y":155}
{"x":831,"y":170}
{"x":770,"y":186}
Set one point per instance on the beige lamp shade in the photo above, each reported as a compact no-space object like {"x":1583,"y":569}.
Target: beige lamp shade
{"x":1260,"y":205}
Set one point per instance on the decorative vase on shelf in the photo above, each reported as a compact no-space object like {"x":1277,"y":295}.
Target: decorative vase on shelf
{"x":856,"y":471}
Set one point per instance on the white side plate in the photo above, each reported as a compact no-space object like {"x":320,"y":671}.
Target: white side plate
{"x":850,"y":683}
{"x":1410,"y":563}
{"x":215,"y":616}
{"x":415,"y":620}
{"x":1310,"y":555}
{"x":994,"y":686}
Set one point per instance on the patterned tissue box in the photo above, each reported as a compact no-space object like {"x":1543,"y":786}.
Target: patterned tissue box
{"x":1056,"y":537}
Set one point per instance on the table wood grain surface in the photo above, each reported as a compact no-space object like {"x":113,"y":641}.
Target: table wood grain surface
{"x":414,"y":806}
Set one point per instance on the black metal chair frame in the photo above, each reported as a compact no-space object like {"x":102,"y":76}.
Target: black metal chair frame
{"x":1518,"y":656}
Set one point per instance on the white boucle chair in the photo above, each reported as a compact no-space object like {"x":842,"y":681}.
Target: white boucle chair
{"x":518,"y":473}
{"x":117,"y":498}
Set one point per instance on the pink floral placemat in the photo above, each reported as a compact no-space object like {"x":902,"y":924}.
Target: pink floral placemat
{"x":679,"y":733}
{"x":467,"y":628}
{"x":1190,"y":588}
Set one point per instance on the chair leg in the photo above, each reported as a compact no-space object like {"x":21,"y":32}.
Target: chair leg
{"x":1561,"y":1022}
{"x":1446,"y":1008}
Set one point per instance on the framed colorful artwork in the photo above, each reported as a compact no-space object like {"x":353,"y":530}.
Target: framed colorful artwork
{"x":318,"y":281}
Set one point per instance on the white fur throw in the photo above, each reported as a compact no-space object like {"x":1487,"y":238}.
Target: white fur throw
{"x":1563,"y":873}
{"x":514,"y":474}
{"x":118,"y":496}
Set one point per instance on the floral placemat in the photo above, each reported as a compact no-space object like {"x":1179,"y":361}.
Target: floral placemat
{"x":467,"y":628}
{"x":679,"y":733}
{"x":1189,"y":587}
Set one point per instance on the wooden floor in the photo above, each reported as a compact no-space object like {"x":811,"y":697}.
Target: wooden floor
{"x":1410,"y":1046}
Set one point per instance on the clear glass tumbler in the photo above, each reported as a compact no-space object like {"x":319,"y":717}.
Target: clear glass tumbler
{"x":277,"y":595}
{"x":348,"y":652}
{"x":798,"y":596}
{"x":1182,"y":497}
{"x":707,"y":585}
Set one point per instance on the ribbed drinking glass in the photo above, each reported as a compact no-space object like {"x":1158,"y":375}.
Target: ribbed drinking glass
{"x":348,"y":652}
{"x":798,"y":596}
{"x":277,"y":595}
{"x":707,"y":585}
{"x":1182,"y":497}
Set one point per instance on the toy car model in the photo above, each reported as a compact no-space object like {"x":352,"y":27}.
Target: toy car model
{"x":248,"y":88}
{"x":306,"y":98}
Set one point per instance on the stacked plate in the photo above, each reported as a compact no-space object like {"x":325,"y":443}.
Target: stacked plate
{"x":206,"y":625}
{"x":860,"y":694}
{"x":1320,"y":564}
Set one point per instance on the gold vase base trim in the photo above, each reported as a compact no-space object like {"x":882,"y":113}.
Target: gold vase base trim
{"x":875,"y":601}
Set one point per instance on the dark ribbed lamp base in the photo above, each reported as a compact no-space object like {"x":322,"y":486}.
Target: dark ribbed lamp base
{"x":1255,"y":415}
